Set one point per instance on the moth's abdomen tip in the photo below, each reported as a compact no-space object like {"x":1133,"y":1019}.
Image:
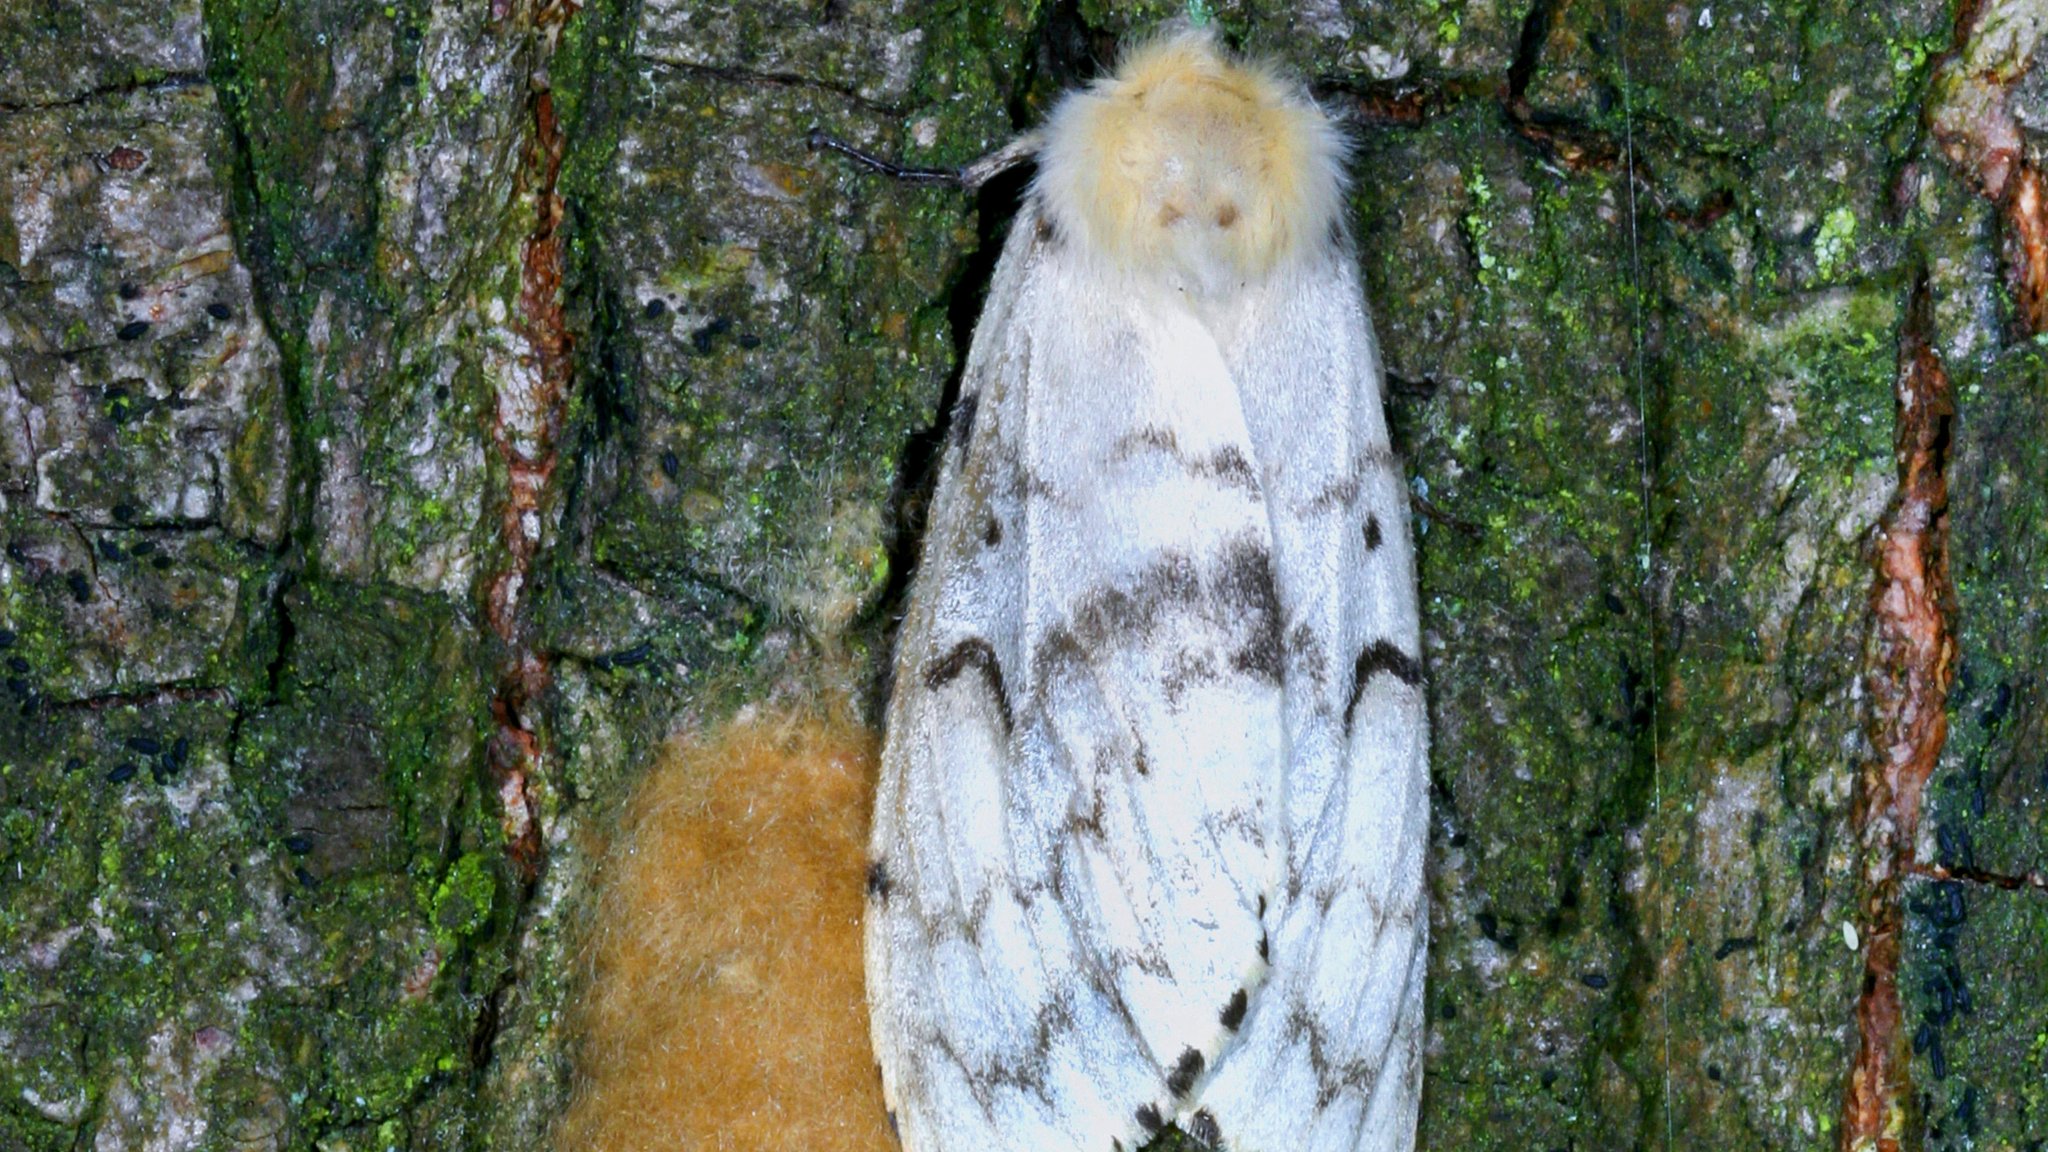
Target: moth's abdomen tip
{"x":1188,"y":161}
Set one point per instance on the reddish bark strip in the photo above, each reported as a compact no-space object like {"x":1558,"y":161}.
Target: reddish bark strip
{"x":1911,"y":659}
{"x":2026,"y":217}
{"x":526,"y":432}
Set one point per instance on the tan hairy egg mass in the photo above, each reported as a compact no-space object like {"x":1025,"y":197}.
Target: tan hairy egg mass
{"x":1190,"y":162}
{"x":722,"y":1004}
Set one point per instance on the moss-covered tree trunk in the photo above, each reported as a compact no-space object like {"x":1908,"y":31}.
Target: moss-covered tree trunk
{"x":413,"y":410}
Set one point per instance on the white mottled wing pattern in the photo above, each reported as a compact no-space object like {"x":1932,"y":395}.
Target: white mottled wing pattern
{"x":1330,"y":1055}
{"x":1149,"y":833}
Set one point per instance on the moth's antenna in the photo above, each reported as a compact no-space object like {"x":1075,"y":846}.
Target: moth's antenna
{"x":970,"y":176}
{"x":819,"y":141}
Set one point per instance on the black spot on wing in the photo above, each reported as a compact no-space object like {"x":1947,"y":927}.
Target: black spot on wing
{"x":1203,"y":1129}
{"x":879,"y":883}
{"x":1185,"y":1072}
{"x":1233,"y":1012}
{"x":1373,"y":535}
{"x":976,"y":654}
{"x":1379,"y":656}
{"x":992,"y":532}
{"x":1149,"y":1118}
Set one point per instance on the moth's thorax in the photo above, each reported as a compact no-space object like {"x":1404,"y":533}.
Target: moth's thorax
{"x":1227,"y":312}
{"x":1192,"y":168}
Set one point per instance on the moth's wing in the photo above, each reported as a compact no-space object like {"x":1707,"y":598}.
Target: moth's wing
{"x":1154,"y":671}
{"x":1330,"y":1055}
{"x":987,"y":1035}
{"x":1075,"y":823}
{"x":940,"y":865}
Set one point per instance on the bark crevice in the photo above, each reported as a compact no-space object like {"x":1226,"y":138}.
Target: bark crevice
{"x":166,"y":82}
{"x":526,"y":433}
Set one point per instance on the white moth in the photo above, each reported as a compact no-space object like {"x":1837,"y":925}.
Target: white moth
{"x":1148,"y":846}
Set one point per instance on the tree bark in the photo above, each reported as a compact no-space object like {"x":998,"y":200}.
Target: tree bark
{"x":412,"y":411}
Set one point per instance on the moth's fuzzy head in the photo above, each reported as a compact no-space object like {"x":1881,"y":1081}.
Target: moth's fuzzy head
{"x":1189,"y":163}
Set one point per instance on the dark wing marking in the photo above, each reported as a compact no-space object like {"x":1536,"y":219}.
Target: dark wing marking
{"x":976,"y":654}
{"x":1379,"y":656}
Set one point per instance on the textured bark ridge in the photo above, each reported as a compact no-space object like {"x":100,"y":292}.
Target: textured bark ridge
{"x":1912,"y":652}
{"x":412,"y":413}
